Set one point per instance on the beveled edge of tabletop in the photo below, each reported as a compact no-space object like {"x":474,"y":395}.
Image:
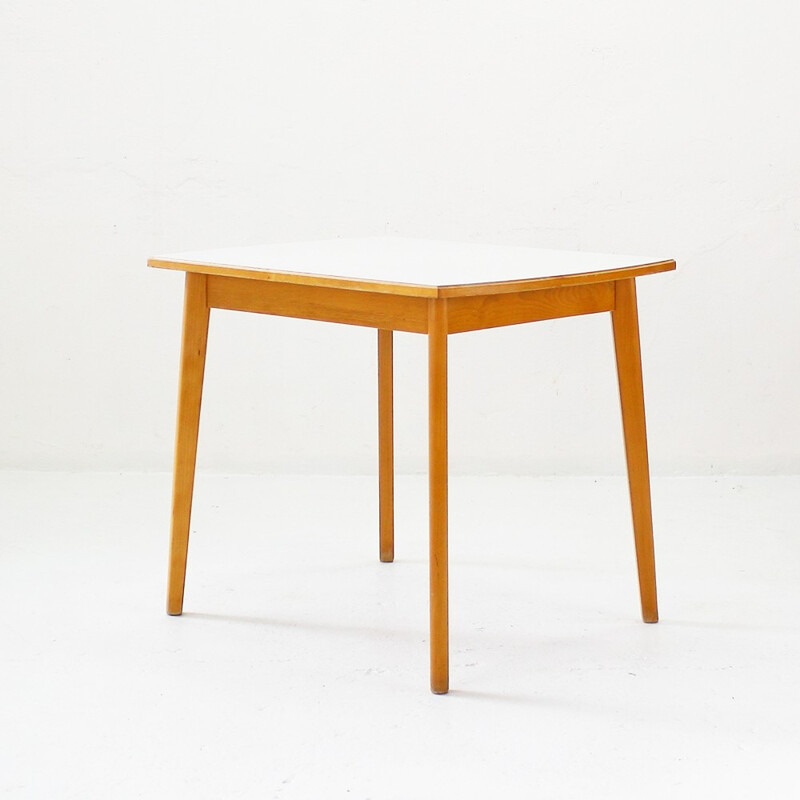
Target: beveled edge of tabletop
{"x":413,"y":289}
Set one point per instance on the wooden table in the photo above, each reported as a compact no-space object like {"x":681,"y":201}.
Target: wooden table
{"x":430,"y":287}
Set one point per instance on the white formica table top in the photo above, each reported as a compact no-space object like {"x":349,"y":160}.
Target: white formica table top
{"x":419,"y":267}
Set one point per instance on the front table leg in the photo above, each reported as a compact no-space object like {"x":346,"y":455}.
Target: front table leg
{"x":625,"y":321}
{"x":437,"y":476}
{"x":193,"y":360}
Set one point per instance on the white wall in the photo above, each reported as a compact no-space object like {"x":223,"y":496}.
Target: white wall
{"x":137,"y":128}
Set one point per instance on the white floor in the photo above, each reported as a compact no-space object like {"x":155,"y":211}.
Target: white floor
{"x":299,"y":668}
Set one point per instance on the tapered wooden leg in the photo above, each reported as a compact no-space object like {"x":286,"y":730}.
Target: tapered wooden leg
{"x":437,"y":476}
{"x":386,"y":445}
{"x":193,"y":359}
{"x":629,"y":370}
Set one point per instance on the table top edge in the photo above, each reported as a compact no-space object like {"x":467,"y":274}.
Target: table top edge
{"x":413,"y":289}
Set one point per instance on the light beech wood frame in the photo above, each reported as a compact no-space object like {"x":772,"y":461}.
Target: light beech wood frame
{"x":437,"y":312}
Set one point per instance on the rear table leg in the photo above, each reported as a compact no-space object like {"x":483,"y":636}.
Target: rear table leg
{"x":386,"y":445}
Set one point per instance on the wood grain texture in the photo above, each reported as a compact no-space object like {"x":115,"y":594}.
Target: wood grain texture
{"x":437,"y":478}
{"x":369,"y":309}
{"x":193,"y":359}
{"x":386,"y":444}
{"x":495,"y":310}
{"x":629,"y":370}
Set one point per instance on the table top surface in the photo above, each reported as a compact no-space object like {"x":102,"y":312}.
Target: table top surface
{"x":418,"y":267}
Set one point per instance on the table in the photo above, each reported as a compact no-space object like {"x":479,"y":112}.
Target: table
{"x":431,"y":287}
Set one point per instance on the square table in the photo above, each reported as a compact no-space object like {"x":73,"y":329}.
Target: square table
{"x":431,"y":287}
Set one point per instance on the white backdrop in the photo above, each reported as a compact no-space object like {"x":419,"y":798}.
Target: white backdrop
{"x":132,"y":129}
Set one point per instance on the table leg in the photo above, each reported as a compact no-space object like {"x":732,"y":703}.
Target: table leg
{"x":437,"y":476}
{"x":629,"y":370}
{"x":386,"y":445}
{"x":193,"y":359}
